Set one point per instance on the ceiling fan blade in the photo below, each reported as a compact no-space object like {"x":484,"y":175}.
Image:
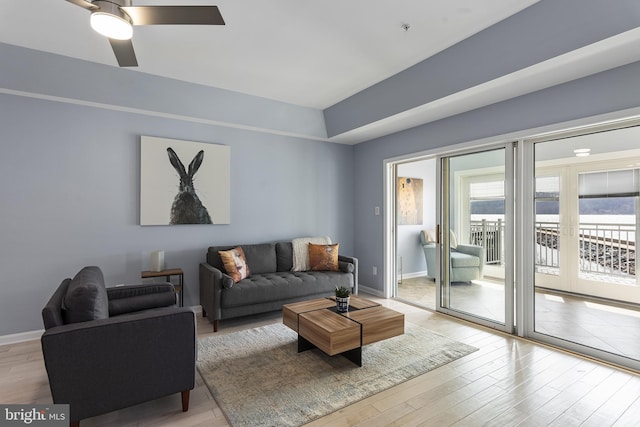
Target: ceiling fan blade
{"x":85,"y":4}
{"x":174,"y":15}
{"x":124,"y":52}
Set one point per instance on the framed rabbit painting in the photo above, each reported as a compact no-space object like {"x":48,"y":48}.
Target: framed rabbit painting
{"x":183,"y":182}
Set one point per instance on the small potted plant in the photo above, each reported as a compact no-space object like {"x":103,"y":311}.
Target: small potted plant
{"x":342,"y":298}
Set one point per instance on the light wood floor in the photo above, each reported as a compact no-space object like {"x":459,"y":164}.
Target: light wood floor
{"x":508,"y":382}
{"x":606,"y":325}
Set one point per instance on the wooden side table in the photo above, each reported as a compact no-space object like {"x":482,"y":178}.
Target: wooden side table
{"x":167,"y":274}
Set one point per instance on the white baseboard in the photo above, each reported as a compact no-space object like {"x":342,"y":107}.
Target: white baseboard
{"x":371,"y":291}
{"x":35,"y":335}
{"x":21,"y":337}
{"x":379,"y":293}
{"x":412,"y":275}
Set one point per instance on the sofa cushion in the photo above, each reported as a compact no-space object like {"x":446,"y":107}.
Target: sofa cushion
{"x":323,"y":257}
{"x":281,"y":286}
{"x":261,"y":257}
{"x":86,"y":298}
{"x":213,"y":257}
{"x":235,"y":263}
{"x":461,"y":260}
{"x":284,"y":256}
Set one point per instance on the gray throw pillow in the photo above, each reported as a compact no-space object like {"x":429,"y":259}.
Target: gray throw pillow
{"x":86,"y":298}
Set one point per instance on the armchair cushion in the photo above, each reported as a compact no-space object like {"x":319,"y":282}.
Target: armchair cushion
{"x":86,"y":298}
{"x":473,"y":250}
{"x":462,"y":260}
{"x":129,"y":299}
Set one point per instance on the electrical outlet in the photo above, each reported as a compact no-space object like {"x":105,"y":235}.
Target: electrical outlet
{"x":377,"y":210}
{"x":375,"y":270}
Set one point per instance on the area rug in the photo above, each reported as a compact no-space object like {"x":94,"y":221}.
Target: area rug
{"x":258,"y":378}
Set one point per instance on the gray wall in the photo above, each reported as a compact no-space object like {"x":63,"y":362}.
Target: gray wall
{"x":606,"y":92}
{"x":69,"y":179}
{"x":409,"y":248}
{"x":70,"y":141}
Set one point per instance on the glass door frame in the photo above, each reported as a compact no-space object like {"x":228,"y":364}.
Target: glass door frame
{"x":524,"y":218}
{"x":525,"y":249}
{"x":442,"y":247}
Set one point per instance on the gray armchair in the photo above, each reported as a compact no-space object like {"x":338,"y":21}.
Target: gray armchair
{"x":467,"y":261}
{"x":109,"y":348}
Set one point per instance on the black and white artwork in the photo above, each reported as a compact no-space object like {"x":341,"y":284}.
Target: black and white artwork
{"x":183,"y":182}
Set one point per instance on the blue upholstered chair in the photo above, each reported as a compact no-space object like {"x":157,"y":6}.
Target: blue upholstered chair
{"x":467,"y":261}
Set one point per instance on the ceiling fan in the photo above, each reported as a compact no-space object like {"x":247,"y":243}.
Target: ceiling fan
{"x":115,"y":18}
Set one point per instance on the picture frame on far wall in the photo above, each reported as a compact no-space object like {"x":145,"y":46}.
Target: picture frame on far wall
{"x":184,"y":182}
{"x":409,"y":195}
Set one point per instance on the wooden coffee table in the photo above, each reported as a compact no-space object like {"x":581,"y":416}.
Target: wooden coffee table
{"x":320,"y":325}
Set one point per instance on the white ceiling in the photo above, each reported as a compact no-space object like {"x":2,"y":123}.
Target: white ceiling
{"x":309,"y":53}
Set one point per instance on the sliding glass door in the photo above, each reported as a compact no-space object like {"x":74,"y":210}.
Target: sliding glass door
{"x":415,"y":214}
{"x":473,"y":238}
{"x":586,"y":292}
{"x":536,"y":238}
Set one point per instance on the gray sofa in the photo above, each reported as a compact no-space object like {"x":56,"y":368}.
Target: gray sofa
{"x":270,"y":284}
{"x":109,"y":348}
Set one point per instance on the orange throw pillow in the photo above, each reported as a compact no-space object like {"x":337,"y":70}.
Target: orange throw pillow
{"x":323,"y":257}
{"x":235,"y":263}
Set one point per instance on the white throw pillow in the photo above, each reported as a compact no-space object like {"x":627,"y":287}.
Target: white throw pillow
{"x":301,"y":251}
{"x":453,"y":242}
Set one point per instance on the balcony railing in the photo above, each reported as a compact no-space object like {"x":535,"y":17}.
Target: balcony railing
{"x":489,"y":235}
{"x":547,"y":245}
{"x":604,"y":248}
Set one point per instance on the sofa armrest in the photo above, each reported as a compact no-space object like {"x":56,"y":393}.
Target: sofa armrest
{"x":211,"y":285}
{"x":354,"y":261}
{"x":128,"y":299}
{"x":150,"y":354}
{"x":346,"y":267}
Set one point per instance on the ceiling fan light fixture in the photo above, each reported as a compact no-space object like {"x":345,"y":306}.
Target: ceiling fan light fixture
{"x":112,"y":22}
